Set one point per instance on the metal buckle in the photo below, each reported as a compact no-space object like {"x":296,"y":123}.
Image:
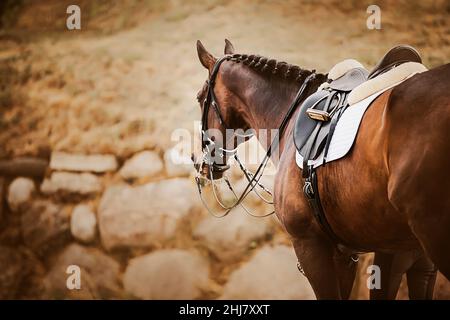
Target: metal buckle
{"x":308,"y":190}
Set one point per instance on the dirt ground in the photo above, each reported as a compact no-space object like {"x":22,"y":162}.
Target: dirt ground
{"x":129,"y":77}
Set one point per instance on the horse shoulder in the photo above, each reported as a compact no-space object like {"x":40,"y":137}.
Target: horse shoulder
{"x":291,"y":207}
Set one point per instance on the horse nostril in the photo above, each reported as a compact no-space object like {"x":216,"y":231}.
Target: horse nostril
{"x":192,"y":157}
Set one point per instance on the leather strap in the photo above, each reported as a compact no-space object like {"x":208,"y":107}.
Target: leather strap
{"x":310,"y":187}
{"x":340,"y":110}
{"x":312,"y":194}
{"x":308,"y":147}
{"x":211,"y":100}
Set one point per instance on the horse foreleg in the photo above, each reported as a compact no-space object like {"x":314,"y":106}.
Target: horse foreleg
{"x":326,"y":275}
{"x":346,"y":272}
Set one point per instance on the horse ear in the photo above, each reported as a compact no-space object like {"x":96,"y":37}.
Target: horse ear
{"x":229,"y":49}
{"x":206,"y":58}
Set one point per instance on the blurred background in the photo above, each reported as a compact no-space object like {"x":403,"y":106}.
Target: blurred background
{"x":87,"y":175}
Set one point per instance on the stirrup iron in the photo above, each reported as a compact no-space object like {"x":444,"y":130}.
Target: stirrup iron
{"x":319,"y":115}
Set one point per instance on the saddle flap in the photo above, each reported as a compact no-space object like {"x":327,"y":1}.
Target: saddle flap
{"x":319,"y":143}
{"x":304,"y":125}
{"x":306,"y":131}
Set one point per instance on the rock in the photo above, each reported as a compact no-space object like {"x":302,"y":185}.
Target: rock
{"x":33,"y":271}
{"x":20,"y":192}
{"x":21,"y":274}
{"x":230,"y":237}
{"x":166,"y":274}
{"x":80,"y":162}
{"x":99,"y":275}
{"x":11,"y":274}
{"x":83,"y":223}
{"x":45,"y":226}
{"x":24,"y":167}
{"x":142,"y":164}
{"x":270,"y":274}
{"x":145,"y":215}
{"x":177,"y":165}
{"x":84,"y":183}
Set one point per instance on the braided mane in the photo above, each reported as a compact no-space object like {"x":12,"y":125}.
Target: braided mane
{"x":269,"y":67}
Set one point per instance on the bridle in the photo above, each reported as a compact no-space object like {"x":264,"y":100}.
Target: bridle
{"x":208,"y":146}
{"x":211,"y":101}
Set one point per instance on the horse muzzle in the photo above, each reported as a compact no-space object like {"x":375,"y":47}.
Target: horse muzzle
{"x":209,"y":171}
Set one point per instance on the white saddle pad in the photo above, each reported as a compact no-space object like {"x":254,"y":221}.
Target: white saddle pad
{"x":345,"y":132}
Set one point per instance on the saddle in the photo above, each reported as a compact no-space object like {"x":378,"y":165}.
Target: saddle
{"x":321,"y":111}
{"x":395,"y":57}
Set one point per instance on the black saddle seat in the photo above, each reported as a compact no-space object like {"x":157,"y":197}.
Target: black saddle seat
{"x":394,"y":57}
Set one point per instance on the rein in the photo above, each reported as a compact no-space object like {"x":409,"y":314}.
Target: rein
{"x":252,"y":178}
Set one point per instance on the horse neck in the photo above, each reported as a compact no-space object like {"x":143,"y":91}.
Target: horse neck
{"x":268,"y":103}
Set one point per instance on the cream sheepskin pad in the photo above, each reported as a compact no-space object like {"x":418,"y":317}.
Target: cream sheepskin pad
{"x":385,"y":80}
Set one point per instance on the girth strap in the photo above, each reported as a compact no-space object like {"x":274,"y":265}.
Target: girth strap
{"x":310,"y":187}
{"x":311,"y":191}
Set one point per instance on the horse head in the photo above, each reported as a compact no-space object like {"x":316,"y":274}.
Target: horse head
{"x":223,"y":114}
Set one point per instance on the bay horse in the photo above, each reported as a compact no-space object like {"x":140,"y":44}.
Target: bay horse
{"x":391,"y":193}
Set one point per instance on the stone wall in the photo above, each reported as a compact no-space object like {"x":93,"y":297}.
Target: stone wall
{"x":139,"y":230}
{"x":136,"y":229}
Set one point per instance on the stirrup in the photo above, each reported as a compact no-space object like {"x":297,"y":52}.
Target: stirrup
{"x":319,"y":115}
